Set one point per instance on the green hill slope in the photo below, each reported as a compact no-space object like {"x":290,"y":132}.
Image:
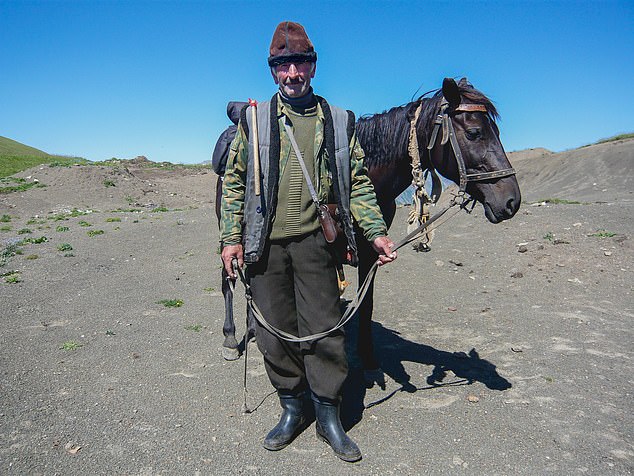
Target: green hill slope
{"x":9,"y":147}
{"x":16,"y":157}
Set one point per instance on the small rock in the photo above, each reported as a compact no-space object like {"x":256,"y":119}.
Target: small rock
{"x":607,"y":253}
{"x":439,"y":263}
{"x":452,"y":309}
{"x":473,"y":399}
{"x":457,"y":263}
{"x":72,"y":448}
{"x":522,"y":249}
{"x":517,"y":274}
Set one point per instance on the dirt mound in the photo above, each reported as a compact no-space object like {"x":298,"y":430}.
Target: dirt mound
{"x":596,"y":173}
{"x":122,"y":186}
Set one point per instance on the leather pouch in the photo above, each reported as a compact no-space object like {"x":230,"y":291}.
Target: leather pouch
{"x":327,"y":222}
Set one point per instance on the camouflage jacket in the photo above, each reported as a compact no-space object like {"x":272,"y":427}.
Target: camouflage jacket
{"x":363,"y":205}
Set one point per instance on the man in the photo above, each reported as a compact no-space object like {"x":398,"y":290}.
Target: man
{"x":291,"y":267}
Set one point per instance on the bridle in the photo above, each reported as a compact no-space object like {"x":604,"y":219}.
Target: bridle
{"x":449,"y":135}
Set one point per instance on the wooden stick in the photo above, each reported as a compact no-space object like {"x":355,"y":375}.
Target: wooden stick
{"x":256,"y":144}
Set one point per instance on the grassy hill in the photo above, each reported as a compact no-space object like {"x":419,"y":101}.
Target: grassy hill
{"x":15,"y":157}
{"x":9,"y":147}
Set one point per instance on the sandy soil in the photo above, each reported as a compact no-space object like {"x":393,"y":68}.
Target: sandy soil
{"x":507,"y":349}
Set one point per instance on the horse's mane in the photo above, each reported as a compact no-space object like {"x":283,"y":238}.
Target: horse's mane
{"x":385,"y":136}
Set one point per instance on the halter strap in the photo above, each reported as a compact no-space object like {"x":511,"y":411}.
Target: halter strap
{"x":449,"y":135}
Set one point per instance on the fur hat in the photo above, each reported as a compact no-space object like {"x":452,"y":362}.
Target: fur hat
{"x":290,"y":44}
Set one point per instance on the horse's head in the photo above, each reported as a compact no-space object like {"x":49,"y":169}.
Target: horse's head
{"x":469,"y":152}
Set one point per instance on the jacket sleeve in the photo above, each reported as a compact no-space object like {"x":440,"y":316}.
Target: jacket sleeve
{"x":363,"y":203}
{"x":233,"y":190}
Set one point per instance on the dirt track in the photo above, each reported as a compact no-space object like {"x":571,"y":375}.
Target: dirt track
{"x":507,"y":349}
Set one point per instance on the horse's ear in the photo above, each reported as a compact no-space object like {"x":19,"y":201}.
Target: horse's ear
{"x":465,"y":84}
{"x":451,"y":91}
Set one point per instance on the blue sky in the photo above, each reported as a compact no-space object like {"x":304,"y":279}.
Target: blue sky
{"x":124,"y":78}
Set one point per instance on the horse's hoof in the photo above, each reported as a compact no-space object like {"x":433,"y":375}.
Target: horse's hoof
{"x":374,"y":376}
{"x":230,"y":353}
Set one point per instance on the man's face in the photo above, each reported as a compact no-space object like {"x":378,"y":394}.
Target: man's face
{"x":294,"y":78}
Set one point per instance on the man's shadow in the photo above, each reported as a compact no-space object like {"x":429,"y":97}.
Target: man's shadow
{"x":392,"y":350}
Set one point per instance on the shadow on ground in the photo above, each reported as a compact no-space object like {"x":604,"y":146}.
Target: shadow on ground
{"x":392,"y":351}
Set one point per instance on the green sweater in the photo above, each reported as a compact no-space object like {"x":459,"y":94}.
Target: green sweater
{"x":296,"y":214}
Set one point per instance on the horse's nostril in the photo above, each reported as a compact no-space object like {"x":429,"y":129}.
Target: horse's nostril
{"x":511,"y":206}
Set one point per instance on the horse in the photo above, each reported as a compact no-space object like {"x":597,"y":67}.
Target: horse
{"x":469,"y":154}
{"x":476,"y":160}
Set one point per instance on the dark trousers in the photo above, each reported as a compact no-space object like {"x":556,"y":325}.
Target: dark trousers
{"x":295,"y":286}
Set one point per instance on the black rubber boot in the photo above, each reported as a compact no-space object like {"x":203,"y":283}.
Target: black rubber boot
{"x":292,"y":422}
{"x":329,"y":429}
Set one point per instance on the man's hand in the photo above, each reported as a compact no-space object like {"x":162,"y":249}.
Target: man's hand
{"x":228,"y":253}
{"x":383,"y":246}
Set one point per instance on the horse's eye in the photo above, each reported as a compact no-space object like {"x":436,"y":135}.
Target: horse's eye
{"x":473,"y":133}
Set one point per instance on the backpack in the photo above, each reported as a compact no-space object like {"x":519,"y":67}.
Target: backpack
{"x":221,"y":150}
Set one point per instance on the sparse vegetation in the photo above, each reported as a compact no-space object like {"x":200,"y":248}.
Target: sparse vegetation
{"x":5,"y":218}
{"x":62,"y":229}
{"x":160,"y":209}
{"x":12,"y":278}
{"x":64,"y":247}
{"x":126,"y":210}
{"x":629,"y":135}
{"x":171,"y":302}
{"x":194,"y":327}
{"x":113,"y":219}
{"x":71,"y":214}
{"x":35,"y":221}
{"x":33,"y":241}
{"x":209,"y":289}
{"x":71,"y":345}
{"x":84,"y":223}
{"x":549,"y":236}
{"x":19,"y":185}
{"x":6,"y":228}
{"x":603,"y":234}
{"x":92,"y":233}
{"x":109,"y":183}
{"x":9,"y":251}
{"x":24,"y":231}
{"x":31,"y":257}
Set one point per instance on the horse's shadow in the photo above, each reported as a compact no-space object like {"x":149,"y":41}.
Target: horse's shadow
{"x":392,"y":350}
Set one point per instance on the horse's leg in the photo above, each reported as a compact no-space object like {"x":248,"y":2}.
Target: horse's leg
{"x":230,"y":345}
{"x":365,"y":346}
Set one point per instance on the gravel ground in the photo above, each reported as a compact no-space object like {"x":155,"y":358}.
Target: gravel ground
{"x":507,"y":349}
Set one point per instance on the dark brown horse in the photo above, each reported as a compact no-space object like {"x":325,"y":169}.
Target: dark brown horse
{"x":385,"y":139}
{"x":487,"y":174}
